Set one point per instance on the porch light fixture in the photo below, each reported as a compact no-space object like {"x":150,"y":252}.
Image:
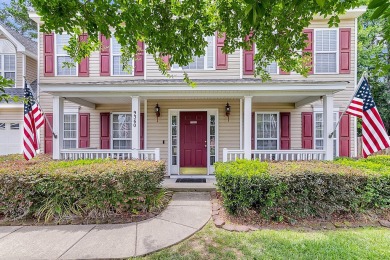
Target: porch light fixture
{"x":157,"y":111}
{"x":227,"y":110}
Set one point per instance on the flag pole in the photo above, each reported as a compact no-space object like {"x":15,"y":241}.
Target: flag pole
{"x":44,"y":114}
{"x":357,"y":88}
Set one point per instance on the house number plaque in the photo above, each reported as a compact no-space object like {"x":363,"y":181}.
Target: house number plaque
{"x":135,"y":118}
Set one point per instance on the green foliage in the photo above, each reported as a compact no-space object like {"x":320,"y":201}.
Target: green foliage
{"x":177,"y":28}
{"x":381,"y":8}
{"x":54,"y":190}
{"x":291,"y":190}
{"x":15,"y":15}
{"x":5,"y":83}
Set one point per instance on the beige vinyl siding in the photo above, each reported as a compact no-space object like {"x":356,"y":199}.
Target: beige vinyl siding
{"x":11,"y":114}
{"x":228,"y":132}
{"x":31,"y":69}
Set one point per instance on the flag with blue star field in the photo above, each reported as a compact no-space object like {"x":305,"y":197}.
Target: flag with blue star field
{"x":33,"y":120}
{"x":363,"y":106}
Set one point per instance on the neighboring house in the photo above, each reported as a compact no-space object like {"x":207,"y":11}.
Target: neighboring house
{"x":18,"y":59}
{"x":99,"y":110}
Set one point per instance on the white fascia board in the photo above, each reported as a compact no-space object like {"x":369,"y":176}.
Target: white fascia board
{"x":350,"y":14}
{"x":35,"y":17}
{"x":19,"y":46}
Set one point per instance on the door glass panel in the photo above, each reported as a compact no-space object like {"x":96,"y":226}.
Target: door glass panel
{"x":212,"y":140}
{"x":174,"y":139}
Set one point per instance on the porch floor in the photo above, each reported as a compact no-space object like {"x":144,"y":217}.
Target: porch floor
{"x":171,"y":184}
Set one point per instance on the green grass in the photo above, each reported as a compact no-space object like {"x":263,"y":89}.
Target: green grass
{"x":214,"y":243}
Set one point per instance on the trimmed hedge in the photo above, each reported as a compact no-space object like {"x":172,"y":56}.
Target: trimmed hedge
{"x":88,"y":188}
{"x":291,"y":190}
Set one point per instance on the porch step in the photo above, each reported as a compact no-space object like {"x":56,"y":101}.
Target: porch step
{"x":172,"y":185}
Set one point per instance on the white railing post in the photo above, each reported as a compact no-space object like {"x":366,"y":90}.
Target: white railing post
{"x":157,"y":154}
{"x":225,"y":155}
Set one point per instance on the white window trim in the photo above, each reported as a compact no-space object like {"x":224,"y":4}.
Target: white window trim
{"x":277,"y":64}
{"x":337,"y":51}
{"x":2,"y":70}
{"x":112,"y":61}
{"x":77,"y":129}
{"x":204,"y":58}
{"x":277,"y":128}
{"x":336,"y":137}
{"x":112,"y":139}
{"x":62,"y":55}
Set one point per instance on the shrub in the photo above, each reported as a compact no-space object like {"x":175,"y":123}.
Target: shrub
{"x":88,"y":188}
{"x":290,"y":190}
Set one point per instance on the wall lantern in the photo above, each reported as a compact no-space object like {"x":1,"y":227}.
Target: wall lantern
{"x":227,"y":110}
{"x":157,"y":111}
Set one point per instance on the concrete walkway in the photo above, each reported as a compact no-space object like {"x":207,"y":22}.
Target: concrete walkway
{"x":186,"y":214}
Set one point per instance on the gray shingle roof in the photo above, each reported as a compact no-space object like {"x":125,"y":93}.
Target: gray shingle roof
{"x":19,"y":92}
{"x":29,"y":44}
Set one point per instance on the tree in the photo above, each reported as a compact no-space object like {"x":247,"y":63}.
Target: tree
{"x":374,"y":58}
{"x":4,"y":83}
{"x":176,"y":28}
{"x":15,"y":15}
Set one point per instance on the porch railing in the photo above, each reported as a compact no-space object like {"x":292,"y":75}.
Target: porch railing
{"x":275,"y":155}
{"x":74,"y":154}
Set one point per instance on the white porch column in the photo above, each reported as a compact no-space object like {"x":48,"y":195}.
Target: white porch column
{"x":58,"y":125}
{"x":247,"y":127}
{"x":328,"y":126}
{"x":135,"y":133}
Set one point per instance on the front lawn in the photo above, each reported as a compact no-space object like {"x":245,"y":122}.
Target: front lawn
{"x":214,"y":243}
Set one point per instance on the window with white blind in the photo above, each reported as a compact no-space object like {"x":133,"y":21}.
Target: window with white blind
{"x":203,"y":62}
{"x":319,"y":132}
{"x":326,"y":51}
{"x":267,"y":125}
{"x":70,"y":131}
{"x":8,"y":66}
{"x":118,"y":68}
{"x":121,"y":130}
{"x":62,"y":56}
{"x":272,"y":68}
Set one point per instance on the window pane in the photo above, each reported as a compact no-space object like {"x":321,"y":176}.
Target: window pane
{"x":9,"y":75}
{"x":116,"y":47}
{"x":266,"y":144}
{"x":9,"y":63}
{"x":326,"y":62}
{"x":61,"y":41}
{"x":326,"y":40}
{"x":14,"y":126}
{"x":319,"y":144}
{"x":64,"y":70}
{"x":122,"y":144}
{"x":272,"y":68}
{"x":118,"y":67}
{"x":210,"y":52}
{"x":70,"y":144}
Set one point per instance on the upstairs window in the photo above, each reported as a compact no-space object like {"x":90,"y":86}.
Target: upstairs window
{"x":203,"y":62}
{"x":325,"y":49}
{"x":118,"y":68}
{"x":8,"y":66}
{"x":272,"y":68}
{"x":62,"y":56}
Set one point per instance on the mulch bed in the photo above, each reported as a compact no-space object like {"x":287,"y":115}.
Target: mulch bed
{"x":252,"y":221}
{"x":112,"y":218}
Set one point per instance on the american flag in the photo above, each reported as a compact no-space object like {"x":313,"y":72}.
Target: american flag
{"x":362,"y":105}
{"x":33,"y":120}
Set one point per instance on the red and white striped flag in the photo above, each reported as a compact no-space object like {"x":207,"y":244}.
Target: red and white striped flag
{"x":33,"y":120}
{"x":362,"y":105}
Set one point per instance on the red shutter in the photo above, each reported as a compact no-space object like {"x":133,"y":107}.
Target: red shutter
{"x":345,"y":51}
{"x":48,"y":45}
{"x":307,"y":130}
{"x":309,"y":47}
{"x":253,"y":139}
{"x":282,"y":72}
{"x":84,"y":64}
{"x":285,"y":139}
{"x":141,"y":126}
{"x":104,"y":56}
{"x":84,"y":130}
{"x":139,"y":60}
{"x":105,"y":130}
{"x":248,"y":56}
{"x":221,"y":57}
{"x":48,"y":135}
{"x":344,"y":136}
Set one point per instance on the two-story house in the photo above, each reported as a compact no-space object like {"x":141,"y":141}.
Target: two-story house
{"x":18,"y":60}
{"x":99,"y":110}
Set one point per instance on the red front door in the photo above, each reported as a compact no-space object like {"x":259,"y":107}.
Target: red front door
{"x":193,"y":139}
